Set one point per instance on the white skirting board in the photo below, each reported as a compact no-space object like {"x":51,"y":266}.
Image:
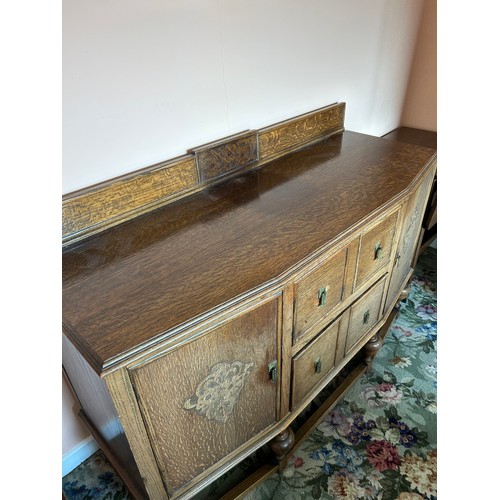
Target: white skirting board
{"x":74,"y":457}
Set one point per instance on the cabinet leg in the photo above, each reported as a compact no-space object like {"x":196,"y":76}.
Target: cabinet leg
{"x":406,"y":291}
{"x":282,"y":443}
{"x":371,"y":348}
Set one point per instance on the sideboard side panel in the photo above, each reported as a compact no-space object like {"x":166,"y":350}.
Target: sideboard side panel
{"x":408,"y":237}
{"x":96,"y":402}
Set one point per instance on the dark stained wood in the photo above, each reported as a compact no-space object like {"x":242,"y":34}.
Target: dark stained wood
{"x":282,"y":443}
{"x":94,"y":209}
{"x":371,"y":348}
{"x":221,"y":158}
{"x":251,"y":482}
{"x":382,"y":332}
{"x":410,"y":135}
{"x":220,"y":394}
{"x":129,"y":286}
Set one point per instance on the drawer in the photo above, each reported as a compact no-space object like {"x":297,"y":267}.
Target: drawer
{"x":318,"y":292}
{"x":365,"y":313}
{"x":375,"y":249}
{"x":313,"y":363}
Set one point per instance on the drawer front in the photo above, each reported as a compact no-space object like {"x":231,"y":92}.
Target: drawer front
{"x":364,"y":314}
{"x":375,"y":249}
{"x":318,"y":292}
{"x":206,"y":398}
{"x":313,"y":363}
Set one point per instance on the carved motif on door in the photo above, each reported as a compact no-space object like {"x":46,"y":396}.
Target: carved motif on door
{"x":217,"y":394}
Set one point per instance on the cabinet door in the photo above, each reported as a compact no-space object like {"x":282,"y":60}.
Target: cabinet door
{"x":204,"y":399}
{"x":408,"y":239}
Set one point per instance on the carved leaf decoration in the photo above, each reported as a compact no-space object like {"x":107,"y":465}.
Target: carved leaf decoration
{"x":217,"y":394}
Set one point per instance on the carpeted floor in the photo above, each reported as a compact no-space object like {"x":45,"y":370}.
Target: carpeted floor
{"x":379,"y":442}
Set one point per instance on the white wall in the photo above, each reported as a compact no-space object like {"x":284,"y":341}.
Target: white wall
{"x":144,"y":80}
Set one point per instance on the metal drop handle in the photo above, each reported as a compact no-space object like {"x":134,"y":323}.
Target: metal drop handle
{"x":366,"y":317}
{"x":322,"y":296}
{"x":273,"y":371}
{"x":317,"y":365}
{"x":378,"y":251}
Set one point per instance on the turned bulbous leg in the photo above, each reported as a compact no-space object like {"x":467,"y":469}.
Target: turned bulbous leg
{"x":282,"y":443}
{"x":371,"y":348}
{"x":405,"y":292}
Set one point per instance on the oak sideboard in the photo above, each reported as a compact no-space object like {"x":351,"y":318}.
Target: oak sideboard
{"x":208,"y":299}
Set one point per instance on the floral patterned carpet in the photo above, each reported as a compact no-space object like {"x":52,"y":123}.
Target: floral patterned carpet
{"x":379,"y":442}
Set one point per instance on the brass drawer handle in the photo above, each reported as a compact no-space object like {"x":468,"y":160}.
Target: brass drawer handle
{"x":398,"y":256}
{"x":366,"y":317}
{"x":378,"y":251}
{"x":322,"y":296}
{"x":273,"y":371}
{"x":317,"y":365}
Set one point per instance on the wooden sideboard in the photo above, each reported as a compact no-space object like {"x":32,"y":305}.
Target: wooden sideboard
{"x":428,"y":139}
{"x":209,"y":299}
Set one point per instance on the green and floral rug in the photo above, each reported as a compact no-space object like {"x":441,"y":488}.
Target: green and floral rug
{"x":94,"y":479}
{"x":379,"y":442}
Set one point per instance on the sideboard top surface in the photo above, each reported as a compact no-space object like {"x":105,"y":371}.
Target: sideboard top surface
{"x":131,"y":284}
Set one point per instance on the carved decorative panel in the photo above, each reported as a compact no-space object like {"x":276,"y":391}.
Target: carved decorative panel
{"x":219,"y":391}
{"x":289,"y":135}
{"x":224,"y":157}
{"x":116,"y":201}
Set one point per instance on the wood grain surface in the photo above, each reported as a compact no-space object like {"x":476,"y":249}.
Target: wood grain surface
{"x":132,"y":284}
{"x":281,"y":138}
{"x":408,"y":240}
{"x":365,"y":313}
{"x":327,"y":278}
{"x":371,"y":261}
{"x":224,"y":157}
{"x":410,"y":135}
{"x":92,"y":210}
{"x":121,"y":390}
{"x":305,"y":371}
{"x":219,"y":394}
{"x":117,"y":200}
